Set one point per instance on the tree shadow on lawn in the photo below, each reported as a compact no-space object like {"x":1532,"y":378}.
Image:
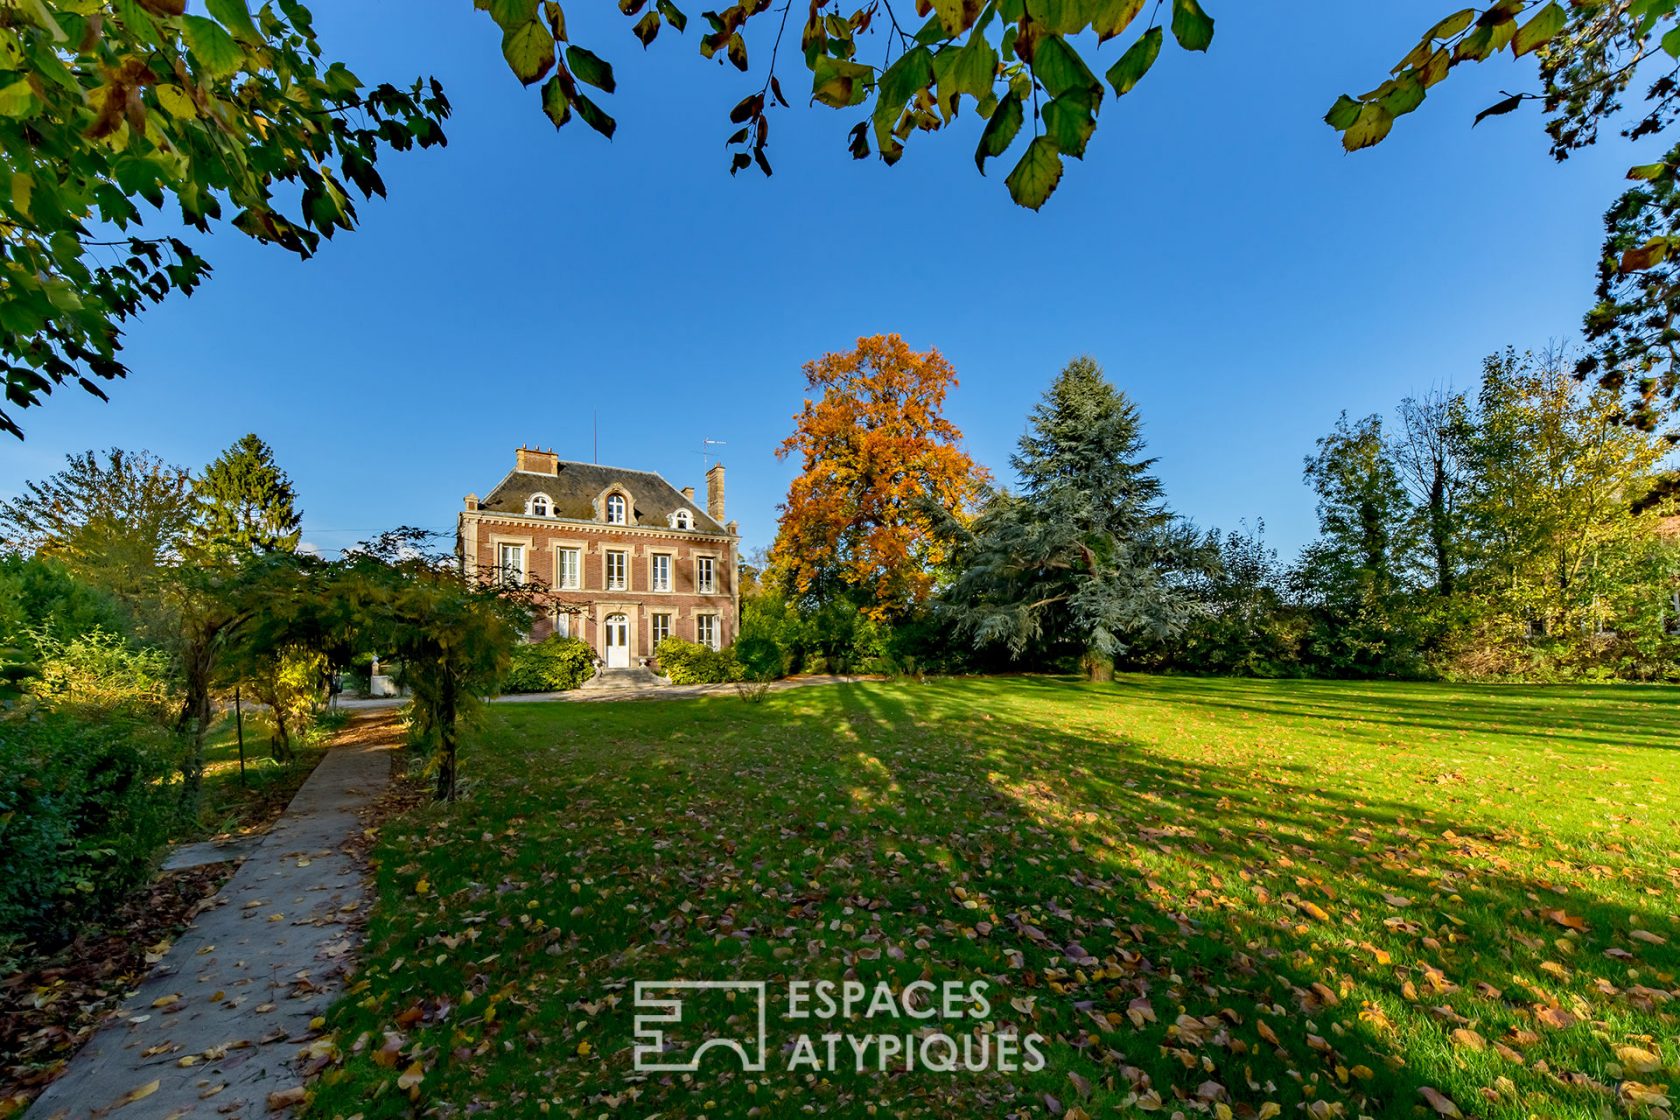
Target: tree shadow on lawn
{"x":1186,"y":933}
{"x":1362,"y":931}
{"x":1584,"y":717}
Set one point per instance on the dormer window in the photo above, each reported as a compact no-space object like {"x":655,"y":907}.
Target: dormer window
{"x":682,"y":519}
{"x":616,"y":510}
{"x":540,"y":505}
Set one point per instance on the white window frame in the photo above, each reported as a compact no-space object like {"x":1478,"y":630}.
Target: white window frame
{"x":562,"y":623}
{"x":622,"y":582}
{"x":704,"y":623}
{"x":705,"y":575}
{"x":510,"y":573}
{"x":617,"y":504}
{"x":542,"y":500}
{"x":682,"y":519}
{"x":655,"y":583}
{"x":561,"y":581}
{"x":660,"y":627}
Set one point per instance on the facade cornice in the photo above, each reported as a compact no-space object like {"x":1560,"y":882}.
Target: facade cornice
{"x":528,"y":522}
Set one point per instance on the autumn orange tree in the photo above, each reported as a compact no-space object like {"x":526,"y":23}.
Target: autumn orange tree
{"x":879,"y":460}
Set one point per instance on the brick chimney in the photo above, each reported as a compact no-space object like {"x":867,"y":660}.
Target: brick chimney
{"x":714,"y":493}
{"x":536,"y":462}
{"x":688,"y":494}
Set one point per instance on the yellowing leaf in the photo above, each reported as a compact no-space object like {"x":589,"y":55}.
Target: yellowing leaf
{"x":138,"y":1094}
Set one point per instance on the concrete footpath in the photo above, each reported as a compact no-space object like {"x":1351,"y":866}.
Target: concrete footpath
{"x":222,"y":1025}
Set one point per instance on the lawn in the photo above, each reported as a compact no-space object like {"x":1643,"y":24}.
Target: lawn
{"x":1225,"y":898}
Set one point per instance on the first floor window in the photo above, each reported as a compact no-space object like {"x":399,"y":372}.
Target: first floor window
{"x":569,"y":568}
{"x":661,"y":628}
{"x":616,"y":567}
{"x":510,"y":562}
{"x":706,"y":630}
{"x":704,"y":568}
{"x":661,"y":572}
{"x":562,"y":624}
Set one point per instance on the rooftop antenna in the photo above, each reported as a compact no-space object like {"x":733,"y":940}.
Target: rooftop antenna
{"x":706,"y":452}
{"x":596,"y":424}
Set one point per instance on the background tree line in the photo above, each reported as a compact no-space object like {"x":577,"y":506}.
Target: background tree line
{"x":1521,"y":531}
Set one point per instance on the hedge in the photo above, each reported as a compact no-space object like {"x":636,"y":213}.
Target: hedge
{"x":551,"y":665}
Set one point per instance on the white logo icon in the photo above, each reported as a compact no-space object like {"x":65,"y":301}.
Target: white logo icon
{"x":650,"y":1028}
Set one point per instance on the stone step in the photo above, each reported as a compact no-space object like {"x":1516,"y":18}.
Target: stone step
{"x":638,"y":677}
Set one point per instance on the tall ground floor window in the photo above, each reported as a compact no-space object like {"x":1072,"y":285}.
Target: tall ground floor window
{"x":661,"y":628}
{"x":562,"y":624}
{"x":706,"y":630}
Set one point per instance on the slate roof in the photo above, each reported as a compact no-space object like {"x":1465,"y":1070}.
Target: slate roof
{"x":574,"y":489}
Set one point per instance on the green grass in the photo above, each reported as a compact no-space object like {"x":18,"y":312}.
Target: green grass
{"x":1323,"y":897}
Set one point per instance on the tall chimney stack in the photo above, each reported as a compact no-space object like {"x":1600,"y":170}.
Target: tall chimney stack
{"x":714,"y":493}
{"x":688,"y":494}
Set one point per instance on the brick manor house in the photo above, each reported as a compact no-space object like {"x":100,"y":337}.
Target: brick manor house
{"x":627,"y":559}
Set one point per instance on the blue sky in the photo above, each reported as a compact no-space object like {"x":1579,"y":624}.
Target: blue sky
{"x":1229,"y":266}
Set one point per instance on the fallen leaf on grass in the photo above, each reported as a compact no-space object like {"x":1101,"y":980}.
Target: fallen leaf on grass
{"x":1469,"y":1039}
{"x":1441,"y":1104}
{"x":1647,"y":936}
{"x":411,"y":1077}
{"x":1567,"y":920}
{"x":1637,"y":1060}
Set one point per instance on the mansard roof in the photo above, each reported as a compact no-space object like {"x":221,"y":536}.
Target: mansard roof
{"x":575,"y":487}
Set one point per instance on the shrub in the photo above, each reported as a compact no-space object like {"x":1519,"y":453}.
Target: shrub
{"x":551,"y":665}
{"x":84,"y":806}
{"x":99,"y":669}
{"x":692,"y":663}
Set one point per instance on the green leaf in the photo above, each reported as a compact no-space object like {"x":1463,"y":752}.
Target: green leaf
{"x":529,"y":50}
{"x":1135,"y":63}
{"x":1406,"y":95}
{"x":1192,"y":27}
{"x":554,"y":101}
{"x":1034,"y":179}
{"x":1113,"y":17}
{"x":971,"y":70}
{"x":18,"y":100}
{"x":673,"y":15}
{"x":594,"y":117}
{"x":340,"y":80}
{"x":1061,"y":69}
{"x":512,"y":14}
{"x":1001,"y":128}
{"x":1647,"y":171}
{"x":1541,"y":29}
{"x":236,"y":17}
{"x":1060,"y":17}
{"x":588,"y":67}
{"x":1069,"y":121}
{"x":1343,"y":113}
{"x":212,"y":47}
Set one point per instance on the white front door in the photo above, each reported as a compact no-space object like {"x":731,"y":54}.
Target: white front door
{"x":618,"y":642}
